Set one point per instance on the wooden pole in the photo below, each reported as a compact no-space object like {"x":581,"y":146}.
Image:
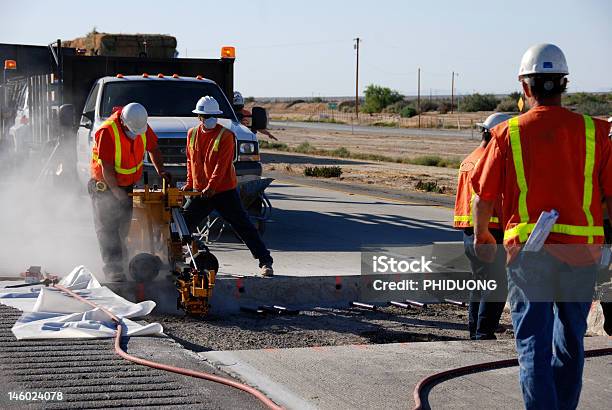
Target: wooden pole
{"x":357,"y":79}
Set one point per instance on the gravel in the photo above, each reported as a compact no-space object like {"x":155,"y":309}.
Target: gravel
{"x":322,"y":327}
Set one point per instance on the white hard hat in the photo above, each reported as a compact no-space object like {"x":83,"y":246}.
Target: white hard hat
{"x":492,"y":120}
{"x":543,"y":59}
{"x":238,"y":99}
{"x":207,"y":106}
{"x":134,"y":117}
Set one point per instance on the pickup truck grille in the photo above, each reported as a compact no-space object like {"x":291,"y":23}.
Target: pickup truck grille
{"x":173,"y":150}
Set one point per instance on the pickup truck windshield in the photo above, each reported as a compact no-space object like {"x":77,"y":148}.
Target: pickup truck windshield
{"x":162,"y":98}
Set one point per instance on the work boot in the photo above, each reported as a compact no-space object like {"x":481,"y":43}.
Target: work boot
{"x":266,"y":271}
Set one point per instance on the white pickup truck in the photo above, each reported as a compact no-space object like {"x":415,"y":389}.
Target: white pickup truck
{"x":169,"y":101}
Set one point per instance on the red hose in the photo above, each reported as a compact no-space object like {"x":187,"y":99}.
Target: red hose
{"x":179,"y":370}
{"x":479,"y":367}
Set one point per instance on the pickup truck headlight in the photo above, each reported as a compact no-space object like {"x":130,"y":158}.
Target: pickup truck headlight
{"x":247,"y":148}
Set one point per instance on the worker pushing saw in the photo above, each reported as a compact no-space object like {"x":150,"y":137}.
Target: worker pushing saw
{"x":210,"y":170}
{"x":549,"y":164}
{"x":116,"y":165}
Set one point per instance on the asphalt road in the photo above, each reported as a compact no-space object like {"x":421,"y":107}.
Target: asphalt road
{"x":364,"y":129}
{"x":316,"y":231}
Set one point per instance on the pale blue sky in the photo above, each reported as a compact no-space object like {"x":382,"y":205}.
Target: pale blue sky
{"x":305,"y":48}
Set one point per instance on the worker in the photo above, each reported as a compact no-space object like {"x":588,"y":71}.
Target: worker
{"x":245,"y":116}
{"x":116,"y":165}
{"x":547,"y":158}
{"x":210,"y":170}
{"x":607,"y":306}
{"x":485,"y":308}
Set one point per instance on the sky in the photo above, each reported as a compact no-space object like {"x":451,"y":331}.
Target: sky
{"x":305,"y":48}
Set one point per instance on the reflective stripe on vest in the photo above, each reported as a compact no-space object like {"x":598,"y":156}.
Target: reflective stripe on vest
{"x":118,"y":153}
{"x":469,"y":219}
{"x":194,"y":134}
{"x":524,"y":228}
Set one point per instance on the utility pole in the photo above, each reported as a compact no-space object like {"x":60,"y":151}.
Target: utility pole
{"x":452,"y":91}
{"x":356,"y":47}
{"x":419,"y":95}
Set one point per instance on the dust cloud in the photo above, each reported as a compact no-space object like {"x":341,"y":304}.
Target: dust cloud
{"x":44,"y":221}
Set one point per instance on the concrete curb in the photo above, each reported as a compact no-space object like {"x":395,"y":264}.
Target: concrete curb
{"x":231,"y":293}
{"x":280,"y":394}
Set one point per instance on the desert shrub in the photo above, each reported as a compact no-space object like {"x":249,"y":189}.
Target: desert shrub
{"x":408,"y":112}
{"x":347,"y":106}
{"x":429,"y":186}
{"x":341,"y":152}
{"x":305,"y":148}
{"x":588,"y":103}
{"x":444,"y":107}
{"x":273,"y":145}
{"x":435,"y":161}
{"x":478,"y":102}
{"x":317,"y":100}
{"x":426,"y":105}
{"x":509,"y":104}
{"x":323,"y":172}
{"x":377,"y":98}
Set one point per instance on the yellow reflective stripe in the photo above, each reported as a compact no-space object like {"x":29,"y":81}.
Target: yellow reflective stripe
{"x":468,"y":218}
{"x":193,"y":135}
{"x":118,"y":168}
{"x":589,"y":164}
{"x":218,"y":140}
{"x":517,"y":156}
{"x":574,"y":230}
{"x":117,"y":145}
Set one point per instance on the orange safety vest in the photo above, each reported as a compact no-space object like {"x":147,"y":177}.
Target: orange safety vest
{"x":129,"y":155}
{"x":581,"y":226}
{"x":465,"y":193}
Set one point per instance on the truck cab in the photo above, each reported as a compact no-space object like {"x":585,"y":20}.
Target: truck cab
{"x":169,"y":100}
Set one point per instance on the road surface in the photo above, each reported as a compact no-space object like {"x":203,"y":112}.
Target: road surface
{"x":315,"y":231}
{"x":364,"y":129}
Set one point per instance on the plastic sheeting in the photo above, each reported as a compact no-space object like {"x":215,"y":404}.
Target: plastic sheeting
{"x":51,"y":314}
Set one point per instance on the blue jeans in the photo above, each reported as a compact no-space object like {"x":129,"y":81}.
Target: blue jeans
{"x":549,"y":330}
{"x":486,"y":308}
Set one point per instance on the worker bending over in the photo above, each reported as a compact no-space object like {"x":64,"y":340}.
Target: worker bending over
{"x":244,"y":115}
{"x":548,"y":158}
{"x":485,"y":307}
{"x":210,"y":169}
{"x":116,"y":165}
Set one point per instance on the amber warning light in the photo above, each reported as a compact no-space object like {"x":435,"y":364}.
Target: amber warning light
{"x":10,"y":64}
{"x":228,"y":52}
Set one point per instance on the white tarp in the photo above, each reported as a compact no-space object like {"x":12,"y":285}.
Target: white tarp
{"x":51,"y":314}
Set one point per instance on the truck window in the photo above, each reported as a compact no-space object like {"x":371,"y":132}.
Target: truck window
{"x":162,"y":98}
{"x":90,"y":105}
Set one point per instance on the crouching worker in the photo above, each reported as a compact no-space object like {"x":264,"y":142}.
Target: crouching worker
{"x":210,"y":169}
{"x":485,"y":307}
{"x":116,"y":165}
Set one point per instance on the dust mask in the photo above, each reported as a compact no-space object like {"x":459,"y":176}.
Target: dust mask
{"x":210,"y":123}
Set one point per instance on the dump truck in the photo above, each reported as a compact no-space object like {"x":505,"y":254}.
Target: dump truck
{"x":54,"y":98}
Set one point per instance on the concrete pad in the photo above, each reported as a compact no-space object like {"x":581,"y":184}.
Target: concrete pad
{"x":384,"y":376}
